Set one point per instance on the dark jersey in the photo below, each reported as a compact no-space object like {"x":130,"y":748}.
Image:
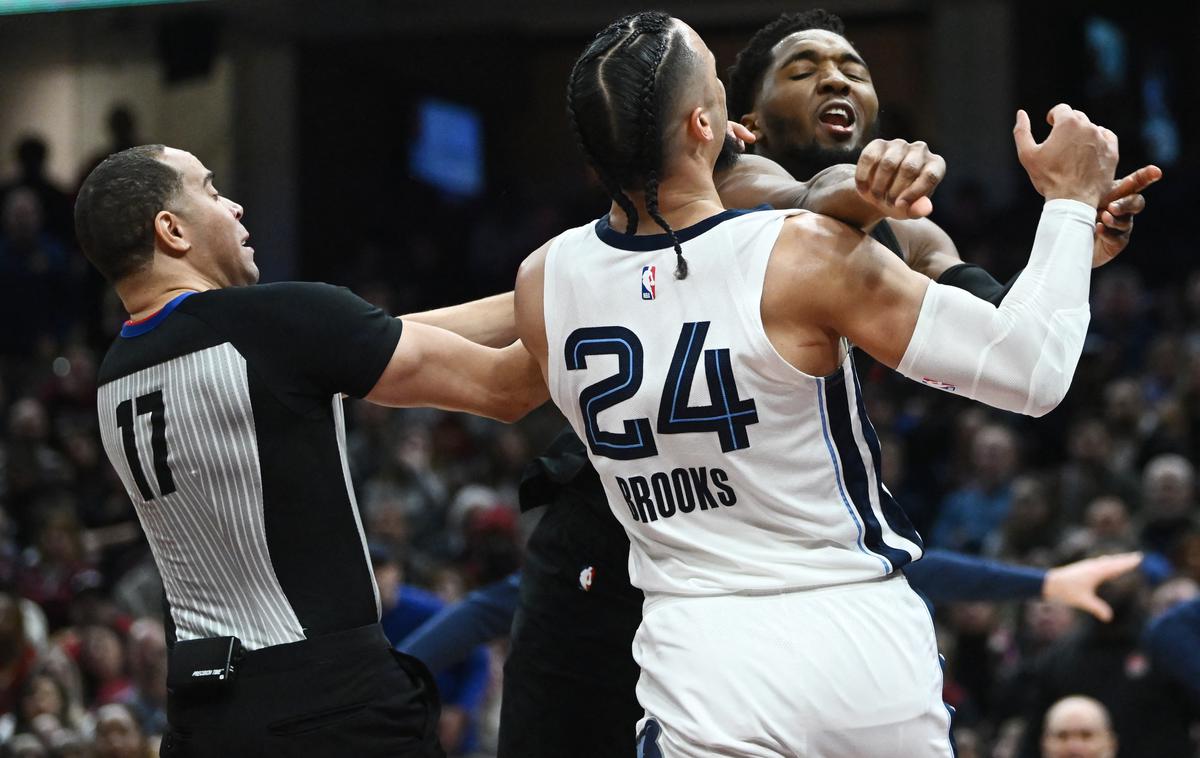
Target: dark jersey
{"x":222,"y":414}
{"x":884,"y":235}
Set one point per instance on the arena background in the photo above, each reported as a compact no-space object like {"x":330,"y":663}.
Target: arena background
{"x":417,"y":151}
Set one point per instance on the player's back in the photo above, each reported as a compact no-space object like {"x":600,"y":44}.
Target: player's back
{"x":222,"y":415}
{"x":731,"y":470}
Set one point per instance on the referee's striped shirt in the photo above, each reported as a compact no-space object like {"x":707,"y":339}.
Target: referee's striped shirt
{"x":222,"y":414}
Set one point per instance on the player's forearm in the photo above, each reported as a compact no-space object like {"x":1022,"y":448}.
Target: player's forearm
{"x":754,"y":181}
{"x":832,"y":192}
{"x":484,"y":615}
{"x":516,"y":384}
{"x":1021,"y":356}
{"x":489,"y":321}
{"x":946,"y":577}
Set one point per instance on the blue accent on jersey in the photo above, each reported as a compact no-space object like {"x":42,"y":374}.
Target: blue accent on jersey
{"x":645,"y":243}
{"x":636,"y":440}
{"x":628,"y":381}
{"x":138,"y":328}
{"x":647,"y":741}
{"x":725,"y":393}
{"x":730,"y":413}
{"x":837,"y":473}
{"x":854,"y":470}
{"x":896,"y":518}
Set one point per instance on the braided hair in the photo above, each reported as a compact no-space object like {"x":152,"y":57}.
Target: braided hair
{"x":626,"y":78}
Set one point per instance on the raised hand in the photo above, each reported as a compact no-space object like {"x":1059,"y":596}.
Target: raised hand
{"x":1077,"y":161}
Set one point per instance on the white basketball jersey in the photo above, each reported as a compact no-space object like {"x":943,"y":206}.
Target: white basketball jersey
{"x":731,"y":470}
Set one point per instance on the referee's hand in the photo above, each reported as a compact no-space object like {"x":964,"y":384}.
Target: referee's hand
{"x":1075,"y":584}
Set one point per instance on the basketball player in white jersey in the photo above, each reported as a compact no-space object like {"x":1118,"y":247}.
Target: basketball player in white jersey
{"x":721,"y":410}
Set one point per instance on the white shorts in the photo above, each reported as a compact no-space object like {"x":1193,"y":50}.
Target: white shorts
{"x":840,"y":672}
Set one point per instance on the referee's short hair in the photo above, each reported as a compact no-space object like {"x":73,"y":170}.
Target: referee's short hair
{"x":115,"y":210}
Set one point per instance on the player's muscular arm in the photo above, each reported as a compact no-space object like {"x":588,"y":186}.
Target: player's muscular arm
{"x":755,"y":180}
{"x":908,"y":173}
{"x":1018,"y":357}
{"x":487,"y":322}
{"x":927,"y":248}
{"x":434,"y":367}
{"x":530,"y":306}
{"x":819,"y":270}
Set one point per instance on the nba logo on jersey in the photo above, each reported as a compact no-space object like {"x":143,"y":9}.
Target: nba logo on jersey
{"x":939,"y":384}
{"x":648,"y":277}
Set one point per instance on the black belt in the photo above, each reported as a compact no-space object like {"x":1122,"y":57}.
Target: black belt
{"x":289,"y":656}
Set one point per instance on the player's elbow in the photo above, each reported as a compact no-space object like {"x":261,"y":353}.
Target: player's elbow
{"x":1033,"y":392}
{"x":512,"y":412}
{"x":1047,"y":390}
{"x":1057,"y":359}
{"x":518,"y":386}
{"x":1041,"y":404}
{"x":519,"y":402}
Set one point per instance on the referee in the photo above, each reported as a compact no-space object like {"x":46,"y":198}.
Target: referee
{"x":220,"y":408}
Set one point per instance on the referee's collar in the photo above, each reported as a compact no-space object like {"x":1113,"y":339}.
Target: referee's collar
{"x":141,"y":326}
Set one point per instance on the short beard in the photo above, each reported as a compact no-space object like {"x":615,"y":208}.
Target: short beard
{"x":804,"y":161}
{"x":728,"y":157}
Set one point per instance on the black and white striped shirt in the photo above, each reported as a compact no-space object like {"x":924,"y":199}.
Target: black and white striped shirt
{"x":222,"y":414}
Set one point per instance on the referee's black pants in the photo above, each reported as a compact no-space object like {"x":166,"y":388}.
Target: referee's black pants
{"x":342,"y":694}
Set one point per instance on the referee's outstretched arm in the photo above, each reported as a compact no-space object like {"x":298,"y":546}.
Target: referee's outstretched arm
{"x":487,"y":321}
{"x":437,"y":368}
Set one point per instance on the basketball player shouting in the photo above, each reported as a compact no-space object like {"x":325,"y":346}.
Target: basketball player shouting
{"x":752,"y":500}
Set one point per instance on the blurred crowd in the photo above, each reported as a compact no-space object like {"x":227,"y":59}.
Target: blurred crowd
{"x":82,"y":640}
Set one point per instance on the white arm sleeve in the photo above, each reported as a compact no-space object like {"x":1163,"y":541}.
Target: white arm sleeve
{"x":1021,"y":356}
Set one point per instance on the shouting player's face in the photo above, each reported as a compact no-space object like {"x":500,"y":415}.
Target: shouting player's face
{"x":816,"y":96}
{"x":210,"y":224}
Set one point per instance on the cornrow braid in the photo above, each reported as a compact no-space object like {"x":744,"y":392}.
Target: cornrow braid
{"x":613,"y":189}
{"x":651,"y":145}
{"x":618,"y":88}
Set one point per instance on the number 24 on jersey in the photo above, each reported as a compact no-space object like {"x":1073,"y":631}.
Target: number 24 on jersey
{"x":727,"y":415}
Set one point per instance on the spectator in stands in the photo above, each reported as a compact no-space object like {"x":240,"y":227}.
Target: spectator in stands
{"x":1168,"y":502}
{"x":17,"y":656}
{"x":148,"y":669}
{"x":969,"y":515}
{"x":1078,"y":727}
{"x":118,"y":734}
{"x":31,"y":154}
{"x":1089,"y":473}
{"x":1105,"y":662}
{"x":36,"y":269}
{"x":102,"y":661}
{"x":50,"y":572}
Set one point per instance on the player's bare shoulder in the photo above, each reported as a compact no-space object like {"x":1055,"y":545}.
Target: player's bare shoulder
{"x":811,"y":239}
{"x":815,"y":255}
{"x":530,"y":300}
{"x":533,"y":268}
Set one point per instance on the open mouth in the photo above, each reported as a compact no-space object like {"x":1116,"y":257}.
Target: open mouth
{"x":838,"y":118}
